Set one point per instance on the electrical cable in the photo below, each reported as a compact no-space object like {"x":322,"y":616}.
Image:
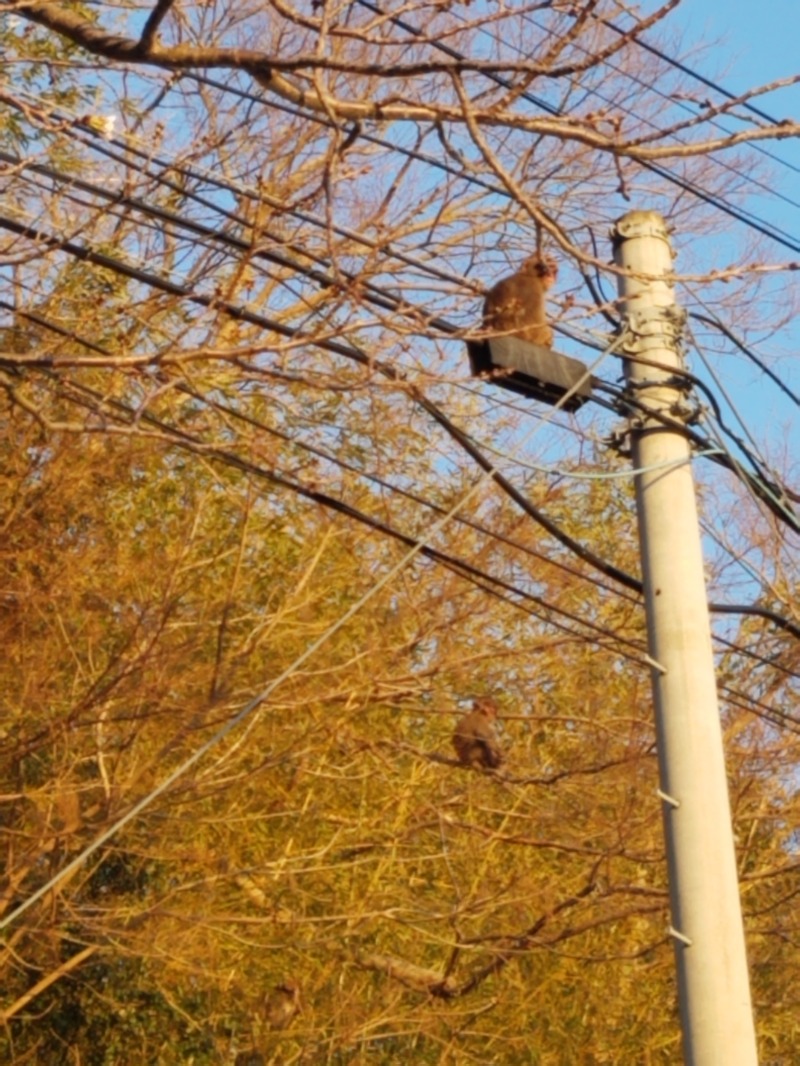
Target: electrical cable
{"x":746,"y":697}
{"x":670,"y":99}
{"x":715,"y":323}
{"x":709,"y":198}
{"x":656,"y":168}
{"x":320,"y":453}
{"x":496,"y":587}
{"x":383,"y":483}
{"x":597,"y":475}
{"x":370,"y":292}
{"x":583,"y":552}
{"x":773,"y":495}
{"x":101,"y":144}
{"x":760,"y":710}
{"x":753,"y":455}
{"x":458,"y":566}
{"x":746,"y":105}
{"x":320,"y":498}
{"x":378,"y":297}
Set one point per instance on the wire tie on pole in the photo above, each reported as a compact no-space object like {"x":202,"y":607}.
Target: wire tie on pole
{"x":655,"y":664}
{"x":673,"y":932}
{"x":667,"y":799}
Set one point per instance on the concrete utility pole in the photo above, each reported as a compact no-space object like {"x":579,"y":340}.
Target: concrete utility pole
{"x":716,"y":1013}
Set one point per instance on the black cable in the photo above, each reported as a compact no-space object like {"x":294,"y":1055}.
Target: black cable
{"x":715,"y":323}
{"x":426,"y":268}
{"x":655,"y":168}
{"x":373,"y":292}
{"x":232,"y":412}
{"x":478,"y":527}
{"x":775,"y":496}
{"x":753,"y":706}
{"x":322,"y":279}
{"x":349,"y":352}
{"x":711,"y":199}
{"x":727,"y":608}
{"x":456,"y":565}
{"x":654,"y":88}
{"x":102,"y":146}
{"x":641,"y":43}
{"x":738,"y":214}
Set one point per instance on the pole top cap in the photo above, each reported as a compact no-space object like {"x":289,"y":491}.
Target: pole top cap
{"x":639,"y":224}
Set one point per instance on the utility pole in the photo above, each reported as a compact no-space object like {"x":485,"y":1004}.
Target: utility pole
{"x":713,"y":988}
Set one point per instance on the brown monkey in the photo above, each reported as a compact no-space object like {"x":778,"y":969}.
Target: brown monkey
{"x":281,"y":1005}
{"x":515,"y":306}
{"x":474,"y":739}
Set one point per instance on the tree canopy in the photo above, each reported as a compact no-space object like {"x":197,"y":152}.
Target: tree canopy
{"x":265,"y":538}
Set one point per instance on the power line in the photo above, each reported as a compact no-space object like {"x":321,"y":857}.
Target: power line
{"x":381,"y":482}
{"x":321,"y":453}
{"x":715,"y":323}
{"x":758,"y":460}
{"x":432,"y":409}
{"x":97,"y":144}
{"x":746,"y":105}
{"x":209,"y":233}
{"x":489,"y":583}
{"x":214,"y":302}
{"x":318,"y":497}
{"x":654,"y":88}
{"x":656,"y":168}
{"x":770,"y":493}
{"x":189,"y":295}
{"x":372,"y":292}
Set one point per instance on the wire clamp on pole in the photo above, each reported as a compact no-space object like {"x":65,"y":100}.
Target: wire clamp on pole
{"x":646,"y":326}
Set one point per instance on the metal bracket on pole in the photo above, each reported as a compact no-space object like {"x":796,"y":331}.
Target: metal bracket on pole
{"x":651,"y":329}
{"x":666,"y":322}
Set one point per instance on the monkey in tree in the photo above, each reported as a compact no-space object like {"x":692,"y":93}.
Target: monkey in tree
{"x":515,"y":306}
{"x":281,"y":1005}
{"x":474,"y":738}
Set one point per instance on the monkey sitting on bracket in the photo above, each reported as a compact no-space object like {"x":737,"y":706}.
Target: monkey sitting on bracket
{"x":515,"y":306}
{"x":474,"y":740}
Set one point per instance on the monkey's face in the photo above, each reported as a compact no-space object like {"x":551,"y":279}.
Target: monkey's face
{"x":547,"y":271}
{"x":486,"y":706}
{"x":543,"y":268}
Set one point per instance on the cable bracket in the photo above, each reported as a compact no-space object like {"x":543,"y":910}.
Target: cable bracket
{"x":663,"y":326}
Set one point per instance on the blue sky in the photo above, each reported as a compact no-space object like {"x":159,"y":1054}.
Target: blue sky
{"x":741,"y":51}
{"x":754,"y":49}
{"x":741,"y":44}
